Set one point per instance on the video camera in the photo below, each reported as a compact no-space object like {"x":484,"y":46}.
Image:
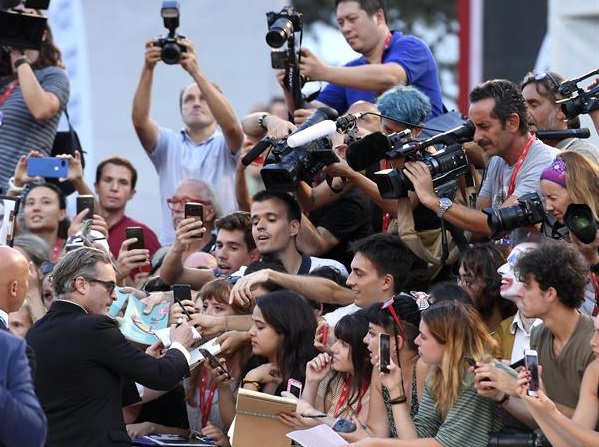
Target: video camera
{"x":528,"y":211}
{"x":444,"y":166}
{"x":287,"y":164}
{"x":583,"y":101}
{"x":282,"y":27}
{"x":171,"y":50}
{"x":19,"y":29}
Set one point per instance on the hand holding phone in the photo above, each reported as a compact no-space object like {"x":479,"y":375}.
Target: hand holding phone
{"x":213,"y":361}
{"x":384,"y":353}
{"x":294,"y":387}
{"x":182,"y":292}
{"x":531,"y":362}
{"x":138,"y":233}
{"x":86,"y":202}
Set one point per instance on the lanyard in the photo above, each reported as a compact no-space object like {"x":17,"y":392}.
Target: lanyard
{"x":56,"y":250}
{"x":8,"y":91}
{"x":206,"y":402}
{"x":512,"y":185}
{"x":344,"y":394}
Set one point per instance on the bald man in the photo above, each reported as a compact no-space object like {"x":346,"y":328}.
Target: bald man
{"x":14,"y":283}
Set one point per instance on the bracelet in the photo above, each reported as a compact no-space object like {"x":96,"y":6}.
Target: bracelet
{"x":398,"y":400}
{"x":22,"y":60}
{"x":503,"y":400}
{"x":12,"y":186}
{"x":261,"y":121}
{"x":257,"y":384}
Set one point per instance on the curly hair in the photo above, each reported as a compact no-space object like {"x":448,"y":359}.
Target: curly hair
{"x":508,"y":100}
{"x":556,"y":264}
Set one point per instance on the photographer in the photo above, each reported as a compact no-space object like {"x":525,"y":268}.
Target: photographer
{"x":387,"y":58}
{"x":540,"y":91}
{"x":498,"y":112}
{"x":200,"y":150}
{"x":34,"y":90}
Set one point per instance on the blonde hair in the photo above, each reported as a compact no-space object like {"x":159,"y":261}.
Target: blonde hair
{"x":582,"y":180}
{"x":460,"y":328}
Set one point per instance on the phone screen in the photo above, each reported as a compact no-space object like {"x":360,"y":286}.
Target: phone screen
{"x":193,"y":209}
{"x":294,"y":387}
{"x":213,"y":361}
{"x":83,"y":202}
{"x":531,"y":360}
{"x":181,"y":292}
{"x":384,"y":352}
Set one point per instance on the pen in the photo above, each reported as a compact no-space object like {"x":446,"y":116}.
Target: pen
{"x":183,"y":307}
{"x":316,"y":415}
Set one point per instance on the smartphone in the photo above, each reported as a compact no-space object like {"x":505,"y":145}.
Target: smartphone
{"x":517,"y":364}
{"x":531,"y":363}
{"x":384,"y":353}
{"x":50,"y":167}
{"x":83,"y":202}
{"x":182,"y":292}
{"x":193,"y":209}
{"x":325,"y":334}
{"x":294,"y":387}
{"x":213,"y":361}
{"x":137,"y":232}
{"x":470,"y":360}
{"x":344,"y":426}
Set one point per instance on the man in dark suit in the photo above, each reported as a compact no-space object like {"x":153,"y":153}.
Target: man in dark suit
{"x":22,"y":421}
{"x":83,"y":359}
{"x":14,"y":283}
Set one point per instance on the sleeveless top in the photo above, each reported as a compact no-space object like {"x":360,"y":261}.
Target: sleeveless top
{"x":413,"y":405}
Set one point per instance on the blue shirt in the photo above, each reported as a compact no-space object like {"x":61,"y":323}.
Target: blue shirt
{"x":413,"y":55}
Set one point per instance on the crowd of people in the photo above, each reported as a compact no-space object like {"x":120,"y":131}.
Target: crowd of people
{"x":303,"y":283}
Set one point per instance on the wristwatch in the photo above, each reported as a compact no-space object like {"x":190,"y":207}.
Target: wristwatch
{"x":444,"y":205}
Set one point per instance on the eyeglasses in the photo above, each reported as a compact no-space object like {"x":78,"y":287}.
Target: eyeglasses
{"x":389,"y":305}
{"x":540,"y":78}
{"x":175,"y":203}
{"x":108,"y":285}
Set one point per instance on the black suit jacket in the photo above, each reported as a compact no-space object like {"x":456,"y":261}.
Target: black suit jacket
{"x":82,"y":360}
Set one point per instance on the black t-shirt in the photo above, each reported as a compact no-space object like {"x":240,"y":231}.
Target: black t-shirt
{"x":348,"y":219}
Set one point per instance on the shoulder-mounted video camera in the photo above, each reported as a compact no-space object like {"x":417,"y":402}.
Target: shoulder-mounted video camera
{"x":171,"y":49}
{"x":444,"y":166}
{"x":577,"y":100}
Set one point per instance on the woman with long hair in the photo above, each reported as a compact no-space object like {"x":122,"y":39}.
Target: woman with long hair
{"x":338,"y":383}
{"x":34,"y":90}
{"x":450,"y":412}
{"x":572,"y":179}
{"x":282,"y":336}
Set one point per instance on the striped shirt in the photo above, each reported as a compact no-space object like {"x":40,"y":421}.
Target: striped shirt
{"x":20,"y":132}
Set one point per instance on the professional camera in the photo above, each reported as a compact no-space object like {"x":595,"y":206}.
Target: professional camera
{"x":583,"y":101}
{"x":444,"y":166}
{"x":171,"y":50}
{"x":535,"y":439}
{"x":580,"y":222}
{"x":282,"y":25}
{"x":19,"y":29}
{"x":528,"y":211}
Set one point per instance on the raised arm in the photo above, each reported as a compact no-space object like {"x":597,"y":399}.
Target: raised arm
{"x":145,"y":127}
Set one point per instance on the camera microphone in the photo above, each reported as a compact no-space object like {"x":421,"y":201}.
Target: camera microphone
{"x":324,"y":128}
{"x":563,"y":134}
{"x":312,"y":133}
{"x":255,"y":152}
{"x":366,"y":151}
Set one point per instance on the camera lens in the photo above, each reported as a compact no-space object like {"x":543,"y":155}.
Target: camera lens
{"x":171,"y":53}
{"x":279,"y":32}
{"x":580,"y":222}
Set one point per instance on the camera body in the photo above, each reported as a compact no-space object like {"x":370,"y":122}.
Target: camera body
{"x":578,"y":101}
{"x":444,"y":166}
{"x":171,"y":50}
{"x":528,"y":211}
{"x":535,"y":439}
{"x":285,"y":167}
{"x":282,"y":25}
{"x":580,"y":222}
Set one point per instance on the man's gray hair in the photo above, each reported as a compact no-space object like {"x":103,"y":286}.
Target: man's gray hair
{"x":79,"y":262}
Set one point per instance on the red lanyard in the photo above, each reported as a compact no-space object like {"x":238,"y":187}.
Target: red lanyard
{"x":56,"y":250}
{"x":8,"y":91}
{"x":206,"y":402}
{"x":344,"y":394}
{"x":512,"y":185}
{"x":595,"y":282}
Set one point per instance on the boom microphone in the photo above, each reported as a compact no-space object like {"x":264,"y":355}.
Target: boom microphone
{"x":366,"y":151}
{"x":312,"y":133}
{"x":321,"y":114}
{"x":563,"y":134}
